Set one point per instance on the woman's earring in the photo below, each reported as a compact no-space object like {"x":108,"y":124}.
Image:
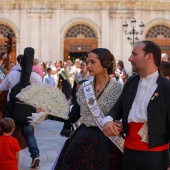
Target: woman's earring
{"x":104,"y":72}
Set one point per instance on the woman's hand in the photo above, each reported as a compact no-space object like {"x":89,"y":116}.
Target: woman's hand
{"x":39,"y":109}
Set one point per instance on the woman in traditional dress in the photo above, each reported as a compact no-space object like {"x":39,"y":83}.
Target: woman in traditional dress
{"x":64,"y":82}
{"x":83,"y":74}
{"x":88,"y":148}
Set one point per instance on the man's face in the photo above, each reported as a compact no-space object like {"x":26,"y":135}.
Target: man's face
{"x":138,"y":59}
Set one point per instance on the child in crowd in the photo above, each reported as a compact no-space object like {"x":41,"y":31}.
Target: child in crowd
{"x":9,"y":147}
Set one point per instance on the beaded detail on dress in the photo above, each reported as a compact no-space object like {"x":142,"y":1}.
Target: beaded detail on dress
{"x":106,"y":101}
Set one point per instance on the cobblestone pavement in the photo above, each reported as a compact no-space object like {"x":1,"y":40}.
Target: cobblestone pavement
{"x":49,"y":142}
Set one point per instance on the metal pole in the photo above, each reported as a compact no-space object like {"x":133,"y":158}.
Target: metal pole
{"x":133,"y":33}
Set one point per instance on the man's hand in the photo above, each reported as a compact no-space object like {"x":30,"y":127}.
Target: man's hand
{"x":119,"y":125}
{"x":110,"y":129}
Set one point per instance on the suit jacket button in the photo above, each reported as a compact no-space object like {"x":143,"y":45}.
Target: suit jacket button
{"x":150,"y":140}
{"x":150,"y":133}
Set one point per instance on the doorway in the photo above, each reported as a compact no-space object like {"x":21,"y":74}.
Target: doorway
{"x":76,"y":48}
{"x":78,"y":55}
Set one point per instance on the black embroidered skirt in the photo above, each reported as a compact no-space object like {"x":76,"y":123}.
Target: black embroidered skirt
{"x":89,"y":149}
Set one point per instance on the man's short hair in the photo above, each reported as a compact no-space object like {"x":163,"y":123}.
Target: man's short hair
{"x":19,"y":58}
{"x":152,"y":47}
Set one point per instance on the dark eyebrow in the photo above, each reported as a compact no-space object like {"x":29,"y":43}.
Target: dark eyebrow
{"x":92,"y":60}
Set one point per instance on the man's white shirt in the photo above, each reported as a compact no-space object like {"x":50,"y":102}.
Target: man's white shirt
{"x":138,"y":111}
{"x":14,"y":77}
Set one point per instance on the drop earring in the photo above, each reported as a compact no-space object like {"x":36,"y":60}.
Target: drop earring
{"x":104,"y":72}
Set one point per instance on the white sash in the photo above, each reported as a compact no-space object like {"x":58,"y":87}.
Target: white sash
{"x":97,"y":114}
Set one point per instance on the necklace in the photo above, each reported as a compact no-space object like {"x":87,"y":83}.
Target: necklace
{"x":99,"y":91}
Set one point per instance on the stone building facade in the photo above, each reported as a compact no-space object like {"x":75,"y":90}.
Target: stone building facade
{"x":60,"y":29}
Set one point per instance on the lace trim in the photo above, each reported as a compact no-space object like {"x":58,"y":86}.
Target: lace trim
{"x":106,"y":101}
{"x":51,"y":99}
{"x":143,"y":132}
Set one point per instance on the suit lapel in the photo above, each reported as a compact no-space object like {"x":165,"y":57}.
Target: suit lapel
{"x":157,"y":91}
{"x":132,"y":89}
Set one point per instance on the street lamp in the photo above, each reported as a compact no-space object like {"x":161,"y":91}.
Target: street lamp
{"x":133,"y":32}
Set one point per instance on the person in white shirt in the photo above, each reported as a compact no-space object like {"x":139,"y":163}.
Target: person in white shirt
{"x":49,"y":78}
{"x":144,"y":107}
{"x":17,"y":66}
{"x":16,"y":78}
{"x":13,"y":78}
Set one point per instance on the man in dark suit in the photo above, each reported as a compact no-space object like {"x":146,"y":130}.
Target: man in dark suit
{"x":144,"y":107}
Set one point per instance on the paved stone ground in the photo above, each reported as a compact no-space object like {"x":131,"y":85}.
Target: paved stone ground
{"x":49,"y":142}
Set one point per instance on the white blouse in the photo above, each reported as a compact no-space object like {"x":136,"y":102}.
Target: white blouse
{"x":78,"y":77}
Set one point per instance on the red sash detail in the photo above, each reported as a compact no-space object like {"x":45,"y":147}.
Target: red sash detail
{"x":133,"y":140}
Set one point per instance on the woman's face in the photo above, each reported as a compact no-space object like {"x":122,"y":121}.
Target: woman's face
{"x":118,"y":66}
{"x":58,"y":64}
{"x":83,"y":66}
{"x":94,"y":67}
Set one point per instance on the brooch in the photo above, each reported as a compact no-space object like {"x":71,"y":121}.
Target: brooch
{"x":155,"y":95}
{"x":91,"y":101}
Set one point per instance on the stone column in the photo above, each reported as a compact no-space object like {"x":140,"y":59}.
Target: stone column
{"x":105,"y":29}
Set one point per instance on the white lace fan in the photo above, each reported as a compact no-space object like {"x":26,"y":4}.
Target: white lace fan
{"x":51,"y":99}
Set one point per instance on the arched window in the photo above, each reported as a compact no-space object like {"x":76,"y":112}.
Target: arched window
{"x":4,"y":29}
{"x":80,"y":31}
{"x":159,"y":31}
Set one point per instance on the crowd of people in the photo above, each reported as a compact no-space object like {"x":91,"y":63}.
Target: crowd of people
{"x":109,"y":108}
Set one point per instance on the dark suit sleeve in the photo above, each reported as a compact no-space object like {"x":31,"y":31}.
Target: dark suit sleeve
{"x":117,"y":111}
{"x":123,"y":101}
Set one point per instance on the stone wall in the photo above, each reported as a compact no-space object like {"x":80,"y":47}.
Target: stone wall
{"x":42,"y":24}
